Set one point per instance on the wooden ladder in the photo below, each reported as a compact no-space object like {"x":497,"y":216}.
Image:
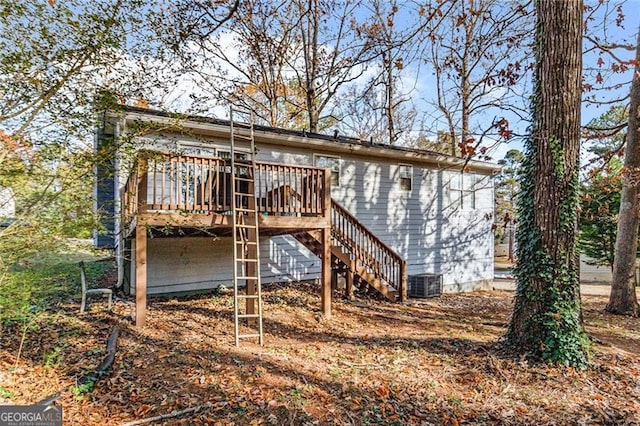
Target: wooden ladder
{"x":246,"y":250}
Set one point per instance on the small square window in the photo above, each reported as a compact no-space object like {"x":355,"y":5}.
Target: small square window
{"x":329,"y":162}
{"x":405,"y":173}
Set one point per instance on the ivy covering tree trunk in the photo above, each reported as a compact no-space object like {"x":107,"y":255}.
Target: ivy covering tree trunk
{"x":547,"y":318}
{"x":623,"y":299}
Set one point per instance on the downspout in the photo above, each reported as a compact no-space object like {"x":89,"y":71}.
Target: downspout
{"x":116,"y":196}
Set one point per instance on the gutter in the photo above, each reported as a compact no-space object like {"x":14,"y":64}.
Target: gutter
{"x":282,"y":137}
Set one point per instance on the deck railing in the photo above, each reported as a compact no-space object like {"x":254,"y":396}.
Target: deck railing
{"x":365,"y":247}
{"x":290,"y":190}
{"x":197,"y":184}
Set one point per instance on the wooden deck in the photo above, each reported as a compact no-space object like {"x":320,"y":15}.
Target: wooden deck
{"x":184,"y":195}
{"x":189,"y":194}
{"x":187,"y":191}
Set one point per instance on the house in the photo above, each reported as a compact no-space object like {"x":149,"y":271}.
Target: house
{"x":328,"y":207}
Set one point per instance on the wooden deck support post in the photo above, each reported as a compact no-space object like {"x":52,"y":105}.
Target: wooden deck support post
{"x":141,"y":275}
{"x":403,"y":281}
{"x":326,"y":248}
{"x":141,"y":245}
{"x":325,"y":278}
{"x":334,"y":280}
{"x":349,"y":290}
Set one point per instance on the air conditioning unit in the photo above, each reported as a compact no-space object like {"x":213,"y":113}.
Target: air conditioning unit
{"x":425,"y":285}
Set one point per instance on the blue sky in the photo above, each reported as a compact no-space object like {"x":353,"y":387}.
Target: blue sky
{"x":419,"y":85}
{"x":603,"y":24}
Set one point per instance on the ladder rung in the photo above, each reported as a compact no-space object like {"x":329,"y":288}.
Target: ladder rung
{"x":239,"y":209}
{"x":246,"y":260}
{"x":247,"y":296}
{"x":245,"y":194}
{"x":251,"y":243}
{"x":248,"y":336}
{"x":239,"y":135}
{"x":245,"y":179}
{"x":240,"y":225}
{"x":248,"y":316}
{"x":243,"y":277}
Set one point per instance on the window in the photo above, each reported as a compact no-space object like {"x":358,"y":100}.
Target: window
{"x":197,"y":150}
{"x":463,"y":193}
{"x":225,"y":155}
{"x":242,"y":156}
{"x":329,"y":162}
{"x":405,"y":173}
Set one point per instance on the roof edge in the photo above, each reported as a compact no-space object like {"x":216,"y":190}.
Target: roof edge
{"x":274,"y":135}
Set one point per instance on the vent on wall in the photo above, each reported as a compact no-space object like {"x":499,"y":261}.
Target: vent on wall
{"x":425,"y":285}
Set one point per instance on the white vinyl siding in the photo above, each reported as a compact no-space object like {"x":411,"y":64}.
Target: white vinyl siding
{"x":200,"y":263}
{"x":419,"y":224}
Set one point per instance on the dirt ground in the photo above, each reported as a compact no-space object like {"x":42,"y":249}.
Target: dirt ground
{"x":435,"y":361}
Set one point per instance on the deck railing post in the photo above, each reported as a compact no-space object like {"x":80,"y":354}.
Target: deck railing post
{"x":142,"y":171}
{"x":326,"y":196}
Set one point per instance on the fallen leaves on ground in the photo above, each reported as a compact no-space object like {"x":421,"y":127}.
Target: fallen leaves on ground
{"x":432,"y":361}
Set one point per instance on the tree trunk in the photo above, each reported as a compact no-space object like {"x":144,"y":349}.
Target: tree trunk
{"x":465,"y":84}
{"x":310,"y":42}
{"x":623,"y":299}
{"x":390,"y":101}
{"x":547,"y":318}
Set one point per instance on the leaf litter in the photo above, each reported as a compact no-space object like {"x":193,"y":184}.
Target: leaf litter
{"x":432,"y":361}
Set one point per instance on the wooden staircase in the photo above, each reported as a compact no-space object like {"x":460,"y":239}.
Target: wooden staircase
{"x":360,"y":256}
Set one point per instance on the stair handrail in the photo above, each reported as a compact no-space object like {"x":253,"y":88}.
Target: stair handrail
{"x":348,"y":232}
